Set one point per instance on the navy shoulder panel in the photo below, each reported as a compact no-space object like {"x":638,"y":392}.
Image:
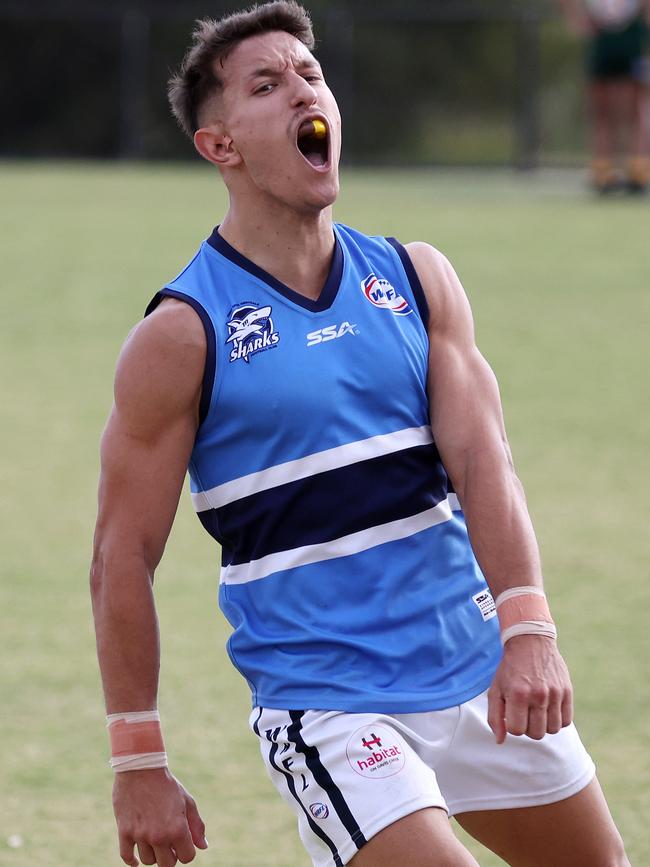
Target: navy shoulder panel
{"x":211,"y":342}
{"x":414,"y":280}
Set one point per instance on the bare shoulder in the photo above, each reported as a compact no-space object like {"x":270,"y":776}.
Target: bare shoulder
{"x":173,"y":325}
{"x":448,"y":304}
{"x":160,"y":368}
{"x":426,"y":255}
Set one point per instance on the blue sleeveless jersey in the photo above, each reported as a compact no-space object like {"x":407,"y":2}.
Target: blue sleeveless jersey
{"x":347,"y":572}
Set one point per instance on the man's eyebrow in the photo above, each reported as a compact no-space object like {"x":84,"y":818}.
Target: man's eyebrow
{"x":265,"y":71}
{"x":308,"y":63}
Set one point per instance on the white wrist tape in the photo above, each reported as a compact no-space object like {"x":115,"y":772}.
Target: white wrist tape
{"x":139,"y":762}
{"x":518,"y":591}
{"x":524,"y":611}
{"x":136,"y":741}
{"x":529,"y":627}
{"x":133,"y":716}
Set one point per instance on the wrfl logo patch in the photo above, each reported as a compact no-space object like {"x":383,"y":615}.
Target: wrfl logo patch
{"x":250,"y":330}
{"x":319,"y":811}
{"x":381,"y":293}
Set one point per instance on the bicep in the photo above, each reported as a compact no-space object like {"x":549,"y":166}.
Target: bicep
{"x":140,"y":484}
{"x":464,"y":401}
{"x":465,"y":407}
{"x":148,"y":440}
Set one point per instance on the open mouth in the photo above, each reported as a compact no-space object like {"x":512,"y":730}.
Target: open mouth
{"x":313,"y":142}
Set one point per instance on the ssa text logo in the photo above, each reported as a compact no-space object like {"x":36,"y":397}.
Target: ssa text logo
{"x":330,"y":332}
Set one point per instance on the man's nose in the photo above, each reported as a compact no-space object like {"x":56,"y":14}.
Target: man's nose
{"x":303,"y":92}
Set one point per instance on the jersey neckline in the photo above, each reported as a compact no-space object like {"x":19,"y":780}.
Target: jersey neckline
{"x":328,"y":292}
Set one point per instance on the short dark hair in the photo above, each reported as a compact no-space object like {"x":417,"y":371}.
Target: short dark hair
{"x":196,"y":80}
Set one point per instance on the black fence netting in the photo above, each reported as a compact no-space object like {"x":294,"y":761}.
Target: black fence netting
{"x":443,"y":81}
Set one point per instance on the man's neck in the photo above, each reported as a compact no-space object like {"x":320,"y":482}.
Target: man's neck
{"x":294,"y":248}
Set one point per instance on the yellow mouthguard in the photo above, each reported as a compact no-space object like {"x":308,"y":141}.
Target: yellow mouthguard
{"x":320,"y":130}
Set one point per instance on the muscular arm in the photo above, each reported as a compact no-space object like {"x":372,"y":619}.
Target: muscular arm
{"x":144,"y":454}
{"x":467,"y":424}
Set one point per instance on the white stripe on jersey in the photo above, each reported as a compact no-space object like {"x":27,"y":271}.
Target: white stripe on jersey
{"x":353,"y":543}
{"x":319,"y":462}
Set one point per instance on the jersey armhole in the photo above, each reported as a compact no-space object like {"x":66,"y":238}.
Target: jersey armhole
{"x":211,"y":343}
{"x":414,"y":280}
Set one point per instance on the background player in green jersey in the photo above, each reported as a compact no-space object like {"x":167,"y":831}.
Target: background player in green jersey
{"x":618,"y":68}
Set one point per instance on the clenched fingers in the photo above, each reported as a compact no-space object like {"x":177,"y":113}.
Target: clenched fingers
{"x":537,"y":713}
{"x":516,"y":716}
{"x":531,"y":692}
{"x":177,"y":847}
{"x":567,"y":709}
{"x":184,"y":847}
{"x":146,"y":853}
{"x":496,"y":715}
{"x":195,"y":823}
{"x":522,"y":712}
{"x":554,"y":718}
{"x":537,"y":723}
{"x":126,"y":850}
{"x":156,"y":813}
{"x":165,"y":857}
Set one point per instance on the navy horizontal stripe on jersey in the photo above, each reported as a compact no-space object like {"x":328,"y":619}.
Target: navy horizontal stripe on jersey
{"x":329,"y":505}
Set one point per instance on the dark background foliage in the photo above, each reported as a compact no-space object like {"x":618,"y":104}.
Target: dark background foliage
{"x":442,"y":81}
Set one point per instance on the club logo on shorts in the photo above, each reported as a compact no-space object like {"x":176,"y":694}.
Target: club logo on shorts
{"x":319,"y":811}
{"x":250,"y":330}
{"x":381,"y":293}
{"x":376,"y":752}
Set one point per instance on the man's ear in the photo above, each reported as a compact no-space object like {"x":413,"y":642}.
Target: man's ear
{"x":216,"y":147}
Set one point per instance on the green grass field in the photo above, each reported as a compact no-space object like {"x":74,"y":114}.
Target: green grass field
{"x":560,"y":285}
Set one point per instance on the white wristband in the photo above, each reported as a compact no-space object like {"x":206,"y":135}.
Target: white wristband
{"x":141,"y":762}
{"x":529,"y":627}
{"x":132,"y":716}
{"x":518,"y":591}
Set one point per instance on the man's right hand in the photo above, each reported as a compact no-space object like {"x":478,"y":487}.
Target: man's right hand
{"x":155,"y":813}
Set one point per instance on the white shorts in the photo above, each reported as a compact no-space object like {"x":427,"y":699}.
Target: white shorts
{"x":347,"y":775}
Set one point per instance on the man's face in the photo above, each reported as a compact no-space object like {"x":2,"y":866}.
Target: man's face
{"x":272,"y":85}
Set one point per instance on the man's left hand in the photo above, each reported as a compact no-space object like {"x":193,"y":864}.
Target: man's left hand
{"x":531,"y":693}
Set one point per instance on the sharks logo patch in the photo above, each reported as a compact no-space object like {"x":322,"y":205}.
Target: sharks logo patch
{"x":250,"y":330}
